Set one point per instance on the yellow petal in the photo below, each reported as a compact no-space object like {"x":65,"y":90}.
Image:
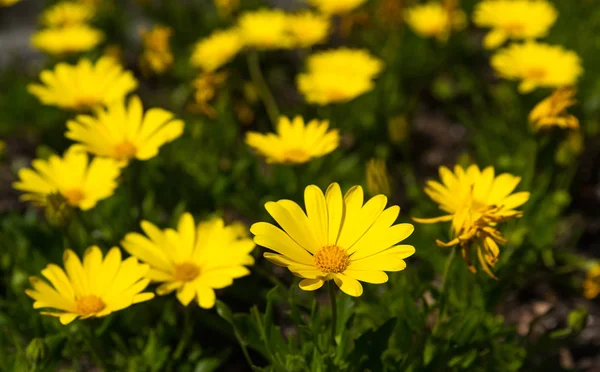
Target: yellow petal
{"x":206,"y":297}
{"x":348,"y":285}
{"x":335,"y":210}
{"x":310,"y":284}
{"x":273,"y":238}
{"x":494,"y":39}
{"x":374,"y":277}
{"x":316,"y":209}
{"x":186,"y":294}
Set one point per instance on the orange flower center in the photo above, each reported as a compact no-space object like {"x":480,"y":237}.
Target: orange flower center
{"x":125,"y":150}
{"x":89,"y":304}
{"x":74,"y":196}
{"x":296,"y":156}
{"x":535,"y":73}
{"x":186,"y":272}
{"x":332,"y":259}
{"x":514,"y":28}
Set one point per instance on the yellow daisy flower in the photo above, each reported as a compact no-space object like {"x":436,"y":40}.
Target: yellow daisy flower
{"x":591,"y":284}
{"x":338,"y":75}
{"x":434,"y":20}
{"x":216,"y":50}
{"x":537,"y":65}
{"x":308,"y":29}
{"x":157,"y":56}
{"x":552,"y":111}
{"x":84,"y":86}
{"x":80,"y":182}
{"x":337,"y":238}
{"x":92,"y":289}
{"x":294,"y":142}
{"x":265,"y":29}
{"x":67,"y":40}
{"x":8,"y":2}
{"x":124,"y":132}
{"x":476,"y":201}
{"x":514,"y":19}
{"x":67,"y":13}
{"x":331,"y":7}
{"x":194,"y":260}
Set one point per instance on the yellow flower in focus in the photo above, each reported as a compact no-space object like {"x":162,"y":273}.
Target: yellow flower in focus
{"x":434,"y":20}
{"x":476,"y":201}
{"x":377,"y":177}
{"x":537,"y":65}
{"x":514,"y":19}
{"x":265,"y":29}
{"x":92,"y":289}
{"x":82,"y":183}
{"x":194,"y":259}
{"x":8,"y":2}
{"x":67,"y":13}
{"x":216,"y":50}
{"x":225,"y":8}
{"x":67,"y":40}
{"x":294,"y":142}
{"x":338,"y":75}
{"x":84,"y":86}
{"x":337,"y":238}
{"x":330,"y":7}
{"x":591,"y":284}
{"x":308,"y":29}
{"x":157,"y":56}
{"x":123,"y":132}
{"x":552,"y":111}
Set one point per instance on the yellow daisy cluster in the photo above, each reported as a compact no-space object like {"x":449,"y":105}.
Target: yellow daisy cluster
{"x":157,"y":56}
{"x":434,"y":20}
{"x":338,"y":75}
{"x":67,"y":30}
{"x":475,"y":201}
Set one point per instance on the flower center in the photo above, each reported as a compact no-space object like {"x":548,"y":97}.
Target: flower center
{"x":125,"y":150}
{"x":186,"y":272}
{"x":74,"y":196}
{"x":535,"y":73}
{"x":296,"y":156}
{"x":331,"y":259}
{"x":89,"y":305}
{"x":514,"y":28}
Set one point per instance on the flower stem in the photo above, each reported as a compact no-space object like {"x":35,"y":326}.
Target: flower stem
{"x":263,"y":89}
{"x":333,"y":310}
{"x":444,"y":289}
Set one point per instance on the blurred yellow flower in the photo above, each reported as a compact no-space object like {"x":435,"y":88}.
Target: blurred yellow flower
{"x":537,"y":65}
{"x":81,"y":182}
{"x":217,"y":49}
{"x":552,"y":111}
{"x":331,"y":7}
{"x":307,"y":28}
{"x":434,"y":20}
{"x":194,"y":260}
{"x":295,"y":142}
{"x":67,"y":40}
{"x":265,"y":29}
{"x":67,"y":13}
{"x":123,"y":132}
{"x":225,"y":8}
{"x":591,"y":284}
{"x":92,"y":289}
{"x":476,"y":201}
{"x":84,"y":86}
{"x":338,"y":75}
{"x":377,"y":177}
{"x":206,"y":86}
{"x":157,"y":56}
{"x":514,"y":19}
{"x":8,"y":2}
{"x":337,"y":238}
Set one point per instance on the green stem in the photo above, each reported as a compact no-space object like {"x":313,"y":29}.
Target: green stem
{"x":244,"y":348}
{"x":90,"y":340}
{"x":444,"y":288}
{"x":263,"y":88}
{"x":333,"y":310}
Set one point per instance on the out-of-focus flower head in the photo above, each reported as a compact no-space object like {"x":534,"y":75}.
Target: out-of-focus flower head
{"x":67,"y":13}
{"x":157,"y":56}
{"x":591,"y":284}
{"x":331,"y":7}
{"x":216,"y":50}
{"x":434,"y":20}
{"x":225,"y":8}
{"x":265,"y":29}
{"x":8,"y":2}
{"x":307,"y":28}
{"x":67,"y":40}
{"x":206,"y":86}
{"x":377,"y":178}
{"x":552,"y":111}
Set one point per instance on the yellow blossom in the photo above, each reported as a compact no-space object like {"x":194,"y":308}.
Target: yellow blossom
{"x":206,"y":86}
{"x":330,"y":7}
{"x":193,"y":259}
{"x":434,"y":20}
{"x":67,"y":13}
{"x":124,"y":132}
{"x":377,"y":177}
{"x":157,"y":56}
{"x":514,"y":19}
{"x":591,"y":285}
{"x":67,"y":40}
{"x":216,"y":50}
{"x":537,"y":65}
{"x":93,"y":288}
{"x":552,"y":111}
{"x":338,"y":238}
{"x":338,"y":75}
{"x":294,"y":141}
{"x":476,"y":201}
{"x":308,"y":29}
{"x":265,"y":29}
{"x":85,"y":85}
{"x":81,"y":182}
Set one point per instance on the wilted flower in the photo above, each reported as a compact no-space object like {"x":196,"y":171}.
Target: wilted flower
{"x":514,"y":19}
{"x":434,"y":20}
{"x":331,"y":7}
{"x":67,"y":40}
{"x":216,"y":50}
{"x":476,"y":201}
{"x":307,"y":28}
{"x":124,"y":132}
{"x":294,"y":141}
{"x":337,"y":238}
{"x":265,"y":29}
{"x":378,"y":180}
{"x":95,"y":288}
{"x":206,"y":86}
{"x":67,"y":13}
{"x":552,"y":111}
{"x":537,"y":65}
{"x":84,"y":86}
{"x":157,"y":56}
{"x":194,"y":259}
{"x":591,"y":284}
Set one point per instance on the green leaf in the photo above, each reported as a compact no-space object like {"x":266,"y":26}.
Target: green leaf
{"x":369,"y":347}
